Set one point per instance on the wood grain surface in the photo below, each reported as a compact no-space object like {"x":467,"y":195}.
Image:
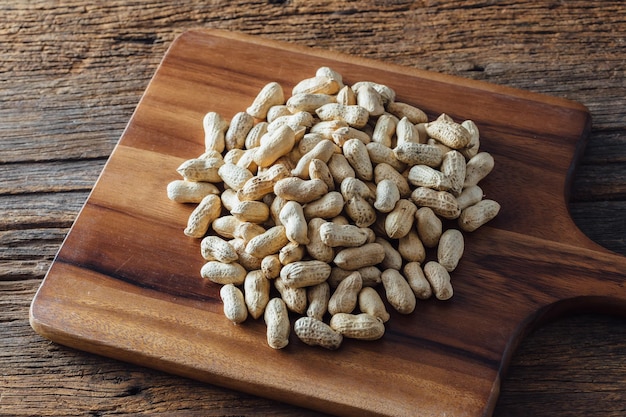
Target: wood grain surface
{"x":72,"y":75}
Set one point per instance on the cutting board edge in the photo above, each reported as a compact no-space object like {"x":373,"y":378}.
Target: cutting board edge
{"x":374,"y":63}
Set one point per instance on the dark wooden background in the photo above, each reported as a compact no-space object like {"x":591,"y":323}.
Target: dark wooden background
{"x":71,"y":74}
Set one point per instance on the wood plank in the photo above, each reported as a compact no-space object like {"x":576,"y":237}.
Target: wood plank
{"x":452,"y":359}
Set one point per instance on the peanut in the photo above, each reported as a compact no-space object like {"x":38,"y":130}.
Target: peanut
{"x":326,"y":207}
{"x":234,"y":176}
{"x":315,"y":332}
{"x":379,"y":154}
{"x":271,"y":266}
{"x":214,"y":248}
{"x":357,"y":155}
{"x":235,"y":308}
{"x":450,"y":249}
{"x":201,"y":169}
{"x":291,"y":252}
{"x":277,"y":321}
{"x":370,"y":302}
{"x":474,"y":216}
{"x":294,"y":298}
{"x":299,"y":190}
{"x":320,"y":84}
{"x":292,"y":218}
{"x":214,"y":130}
{"x":274,"y":144}
{"x":451,"y":134}
{"x":370,"y":99}
{"x":256,"y":292}
{"x":181,"y":191}
{"x":439,"y":280}
{"x":349,"y":235}
{"x":318,"y":169}
{"x":411,"y":247}
{"x":267,"y":243}
{"x":429,"y":226}
{"x":399,"y":221}
{"x":353,"y":115}
{"x":358,"y":326}
{"x":345,"y":297}
{"x":441,"y":202}
{"x":453,"y":166}
{"x":478,"y":168}
{"x":425,"y":176}
{"x":270,"y":95}
{"x":343,"y":134}
{"x":248,"y":261}
{"x":316,"y":248}
{"x":251,"y":211}
{"x":318,"y":297}
{"x":419,"y":154}
{"x":469,"y":196}
{"x":393,"y":258}
{"x":387,"y":195}
{"x":406,"y":132}
{"x":240,"y":126}
{"x":355,"y":258}
{"x":222,"y":273}
{"x":304,"y":273}
{"x":417,"y":280}
{"x":412,"y":113}
{"x":398,"y":292}
{"x":203,"y":215}
{"x":385,"y":129}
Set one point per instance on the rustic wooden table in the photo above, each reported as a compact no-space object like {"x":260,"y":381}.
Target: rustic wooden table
{"x":71,"y":75}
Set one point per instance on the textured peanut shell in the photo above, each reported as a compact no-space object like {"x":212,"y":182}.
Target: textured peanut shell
{"x":429,"y":226}
{"x":358,"y":326}
{"x":235,"y":308}
{"x":270,"y":95}
{"x":345,"y":297}
{"x":300,"y":190}
{"x":294,"y":298}
{"x":417,"y":280}
{"x":181,"y":191}
{"x":221,"y":273}
{"x":439,"y":280}
{"x":411,"y":247}
{"x":318,"y":296}
{"x":201,"y":169}
{"x":398,"y":292}
{"x":442,"y":203}
{"x":450,"y":249}
{"x":315,"y":332}
{"x":480,"y":213}
{"x":304,"y":273}
{"x":203,"y":215}
{"x":267,"y":243}
{"x":355,"y":258}
{"x":276,"y":319}
{"x":357,"y":155}
{"x":256,"y":293}
{"x":449,"y":133}
{"x":370,"y":302}
{"x":400,"y":220}
{"x":348,"y":235}
{"x":213,"y":248}
{"x":316,"y":248}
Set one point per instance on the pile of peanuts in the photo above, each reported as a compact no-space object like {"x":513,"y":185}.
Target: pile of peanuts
{"x":306,"y":205}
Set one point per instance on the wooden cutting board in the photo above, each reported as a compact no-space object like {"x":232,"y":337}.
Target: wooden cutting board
{"x":126,"y":283}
